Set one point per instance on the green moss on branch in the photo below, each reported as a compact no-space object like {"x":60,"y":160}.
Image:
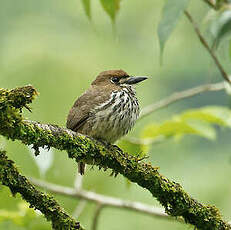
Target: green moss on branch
{"x":81,"y":148}
{"x":17,"y":183}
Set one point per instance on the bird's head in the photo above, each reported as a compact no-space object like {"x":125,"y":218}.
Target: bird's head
{"x":117,"y":79}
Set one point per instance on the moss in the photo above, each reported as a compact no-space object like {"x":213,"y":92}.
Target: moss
{"x":9,"y":176}
{"x":80,"y":148}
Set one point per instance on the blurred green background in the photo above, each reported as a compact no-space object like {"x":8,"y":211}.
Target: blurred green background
{"x":54,"y":47}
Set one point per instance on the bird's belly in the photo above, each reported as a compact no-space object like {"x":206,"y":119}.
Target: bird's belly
{"x":114,"y":122}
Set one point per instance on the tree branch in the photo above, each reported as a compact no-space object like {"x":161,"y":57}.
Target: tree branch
{"x":99,"y":209}
{"x":210,"y":3}
{"x":79,"y":208}
{"x":78,"y":181}
{"x":10,"y":177}
{"x":206,"y":45}
{"x":82,"y":148}
{"x":106,"y":201}
{"x":177,"y":96}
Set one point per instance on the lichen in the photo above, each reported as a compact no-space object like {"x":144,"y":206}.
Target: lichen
{"x":10,"y":177}
{"x":81,"y":148}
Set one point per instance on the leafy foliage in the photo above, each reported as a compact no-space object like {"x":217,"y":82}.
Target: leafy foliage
{"x":111,"y":7}
{"x":171,"y":13}
{"x":23,"y":218}
{"x":221,"y":27}
{"x":196,"y":121}
{"x":87,"y":7}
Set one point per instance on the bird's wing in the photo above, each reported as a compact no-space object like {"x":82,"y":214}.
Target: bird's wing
{"x":84,"y":106}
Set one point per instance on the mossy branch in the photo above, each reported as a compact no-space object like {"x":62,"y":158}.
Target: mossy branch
{"x":10,"y":177}
{"x":81,"y":148}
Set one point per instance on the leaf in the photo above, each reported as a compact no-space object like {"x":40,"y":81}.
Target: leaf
{"x":221,"y":27}
{"x":171,"y":13}
{"x":212,"y":114}
{"x":111,"y":7}
{"x":44,"y":160}
{"x":22,"y":217}
{"x":201,"y":128}
{"x":87,"y":7}
{"x":195,"y":121}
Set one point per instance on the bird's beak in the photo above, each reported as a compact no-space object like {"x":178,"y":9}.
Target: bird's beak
{"x":134,"y":80}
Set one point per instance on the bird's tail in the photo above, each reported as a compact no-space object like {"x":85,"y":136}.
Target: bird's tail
{"x":81,"y":168}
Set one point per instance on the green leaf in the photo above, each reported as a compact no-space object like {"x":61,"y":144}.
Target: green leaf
{"x":201,"y":128}
{"x":111,"y":7}
{"x":23,"y":217}
{"x":221,"y":27}
{"x":212,"y":114}
{"x":87,"y":7}
{"x":171,"y":13}
{"x":195,"y":121}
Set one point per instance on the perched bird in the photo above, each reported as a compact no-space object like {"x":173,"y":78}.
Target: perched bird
{"x":108,"y":109}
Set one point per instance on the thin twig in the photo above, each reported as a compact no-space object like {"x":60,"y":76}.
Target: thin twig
{"x":78,"y":181}
{"x":102,"y":199}
{"x":98,"y":211}
{"x":210,"y":3}
{"x":177,"y":96}
{"x":79,"y":208}
{"x":206,"y":45}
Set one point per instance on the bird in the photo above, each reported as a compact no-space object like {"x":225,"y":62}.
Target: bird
{"x":107,"y":110}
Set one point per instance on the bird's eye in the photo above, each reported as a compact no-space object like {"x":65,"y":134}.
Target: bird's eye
{"x":115,"y":79}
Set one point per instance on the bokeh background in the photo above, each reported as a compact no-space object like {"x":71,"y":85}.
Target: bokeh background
{"x":54,"y":47}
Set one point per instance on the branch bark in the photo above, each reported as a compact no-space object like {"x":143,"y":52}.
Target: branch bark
{"x":10,"y":177}
{"x":206,"y":45}
{"x":210,"y":3}
{"x":82,"y":148}
{"x":177,"y":96}
{"x":98,"y":211}
{"x":106,"y":201}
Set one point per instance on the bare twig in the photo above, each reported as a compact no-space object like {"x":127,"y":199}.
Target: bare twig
{"x":99,"y":209}
{"x":206,"y":45}
{"x":101,"y":199}
{"x":177,"y":96}
{"x":79,"y":208}
{"x":210,"y":3}
{"x":78,"y":181}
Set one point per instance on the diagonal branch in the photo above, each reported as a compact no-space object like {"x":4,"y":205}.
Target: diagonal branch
{"x":206,"y":45}
{"x":170,"y":194}
{"x":17,"y":183}
{"x":106,"y":201}
{"x":98,"y":211}
{"x":177,"y":96}
{"x":210,"y":3}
